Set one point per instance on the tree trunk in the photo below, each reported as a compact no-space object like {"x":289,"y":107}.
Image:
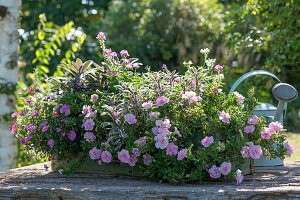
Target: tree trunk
{"x":9,"y":43}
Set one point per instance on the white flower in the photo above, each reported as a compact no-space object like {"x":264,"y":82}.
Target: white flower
{"x":210,"y":62}
{"x":204,"y":51}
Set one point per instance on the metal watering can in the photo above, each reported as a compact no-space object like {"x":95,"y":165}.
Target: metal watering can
{"x":283,"y":93}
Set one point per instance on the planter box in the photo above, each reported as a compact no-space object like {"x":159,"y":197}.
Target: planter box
{"x":90,"y":166}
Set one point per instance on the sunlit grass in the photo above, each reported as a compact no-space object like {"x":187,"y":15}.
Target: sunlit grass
{"x":294,"y":140}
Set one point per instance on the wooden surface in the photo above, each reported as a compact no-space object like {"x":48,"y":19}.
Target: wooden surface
{"x":33,"y":182}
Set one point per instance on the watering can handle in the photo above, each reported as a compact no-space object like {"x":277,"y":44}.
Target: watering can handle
{"x":253,"y":73}
{"x":249,"y":74}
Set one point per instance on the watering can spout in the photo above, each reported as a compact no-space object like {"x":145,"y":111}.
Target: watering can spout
{"x":284,"y":93}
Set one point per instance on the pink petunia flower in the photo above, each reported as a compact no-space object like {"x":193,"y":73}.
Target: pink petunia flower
{"x":275,"y":126}
{"x":253,"y":120}
{"x":225,"y":168}
{"x":89,"y":137}
{"x":142,"y":141}
{"x":214,"y":172}
{"x":147,"y":105}
{"x":130,"y":118}
{"x":94,"y":97}
{"x":249,"y":129}
{"x":89,"y":124}
{"x":224,"y":117}
{"x":181,"y":154}
{"x":106,"y":156}
{"x":289,"y":149}
{"x":255,"y":151}
{"x":240,"y":98}
{"x":207,"y":141}
{"x":95,"y":153}
{"x":132,"y":160}
{"x":266,"y":133}
{"x":86,"y":109}
{"x":172,"y":149}
{"x":161,"y":141}
{"x":35,"y":113}
{"x":123,"y":156}
{"x":245,"y":152}
{"x":147,"y":159}
{"x":136,"y":152}
{"x":14,"y":128}
{"x":239,"y":176}
{"x":161,"y":101}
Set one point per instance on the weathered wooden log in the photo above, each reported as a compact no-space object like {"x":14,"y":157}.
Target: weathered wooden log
{"x":33,"y":182}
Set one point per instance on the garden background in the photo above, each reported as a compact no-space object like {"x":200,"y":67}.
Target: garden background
{"x":243,"y":35}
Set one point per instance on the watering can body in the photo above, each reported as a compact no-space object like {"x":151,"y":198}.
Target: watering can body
{"x":266,"y":110}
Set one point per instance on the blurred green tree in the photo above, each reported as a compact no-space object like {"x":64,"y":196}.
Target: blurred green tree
{"x":164,"y":31}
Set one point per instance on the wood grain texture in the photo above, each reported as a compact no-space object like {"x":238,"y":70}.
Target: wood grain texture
{"x":33,"y":182}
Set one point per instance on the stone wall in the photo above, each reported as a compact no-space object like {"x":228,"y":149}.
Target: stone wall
{"x":9,"y":43}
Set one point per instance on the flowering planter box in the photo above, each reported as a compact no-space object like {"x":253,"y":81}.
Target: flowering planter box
{"x":162,"y":125}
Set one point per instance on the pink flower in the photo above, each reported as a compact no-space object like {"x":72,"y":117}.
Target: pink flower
{"x":106,"y":156}
{"x":214,"y":172}
{"x":14,"y":128}
{"x":14,"y":114}
{"x":218,"y":68}
{"x":124,"y":53}
{"x":130,"y":118}
{"x":132,"y":160}
{"x":181,"y":154}
{"x":86,"y":109}
{"x":34,"y":113}
{"x":155,"y":130}
{"x":123,"y":156}
{"x":72,"y":135}
{"x":275,"y":126}
{"x":136,"y":151}
{"x":177,"y":131}
{"x":161,"y":101}
{"x":188,"y":94}
{"x":266,"y":133}
{"x":45,"y":128}
{"x":163,"y":131}
{"x":249,"y":129}
{"x":95,"y":153}
{"x":89,"y":124}
{"x":31,"y":89}
{"x":163,"y":123}
{"x":289,"y":149}
{"x":172,"y":149}
{"x":50,"y":143}
{"x":239,"y":176}
{"x":65,"y":108}
{"x":253,"y":120}
{"x":245,"y":152}
{"x":94,"y":97}
{"x":225,"y":168}
{"x":153,"y":115}
{"x":63,"y":133}
{"x":147,"y":105}
{"x":147,"y":159}
{"x":101,"y":36}
{"x":89,"y":137}
{"x":240,"y":98}
{"x":207,"y":141}
{"x":142,"y":141}
{"x":255,"y":151}
{"x":224,"y":117}
{"x":161,"y":141}
{"x":194,"y":99}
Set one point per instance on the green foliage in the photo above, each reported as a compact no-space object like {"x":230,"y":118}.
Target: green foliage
{"x":164,"y":31}
{"x":42,"y":50}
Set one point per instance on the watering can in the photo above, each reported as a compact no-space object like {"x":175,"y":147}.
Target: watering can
{"x":283,"y":93}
